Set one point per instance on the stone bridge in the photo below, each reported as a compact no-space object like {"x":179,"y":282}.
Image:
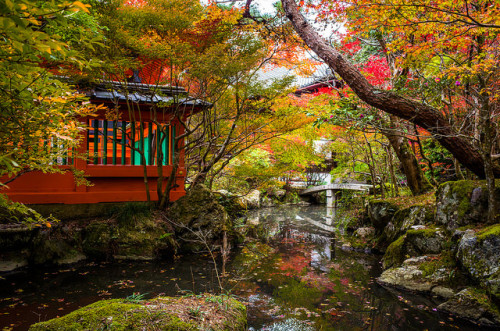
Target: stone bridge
{"x":332,"y":189}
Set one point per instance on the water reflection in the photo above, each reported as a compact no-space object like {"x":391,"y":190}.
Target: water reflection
{"x":294,"y":274}
{"x":291,"y":272}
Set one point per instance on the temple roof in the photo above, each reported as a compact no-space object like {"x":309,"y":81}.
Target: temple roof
{"x":140,"y":93}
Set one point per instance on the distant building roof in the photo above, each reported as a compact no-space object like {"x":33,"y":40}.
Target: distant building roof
{"x":321,"y":75}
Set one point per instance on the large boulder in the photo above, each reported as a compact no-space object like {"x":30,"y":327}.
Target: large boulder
{"x":417,"y":241}
{"x":56,"y":245}
{"x":409,"y":276}
{"x":405,"y":218}
{"x":461,"y":203}
{"x":145,"y":238}
{"x":381,"y":213}
{"x":251,"y":200}
{"x":201,"y":312}
{"x":479,"y":254}
{"x":199,"y":219}
{"x":473,"y":305}
{"x":429,"y":274}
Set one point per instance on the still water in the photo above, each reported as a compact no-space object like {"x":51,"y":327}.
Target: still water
{"x":291,"y":272}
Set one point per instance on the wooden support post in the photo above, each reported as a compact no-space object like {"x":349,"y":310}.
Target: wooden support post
{"x":132,"y":143}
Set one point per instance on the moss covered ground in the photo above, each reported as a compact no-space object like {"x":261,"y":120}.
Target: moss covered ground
{"x":200,"y":312}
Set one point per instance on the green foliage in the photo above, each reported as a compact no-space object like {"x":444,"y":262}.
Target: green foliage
{"x":18,"y":213}
{"x":136,"y":297}
{"x":441,"y":160}
{"x":39,"y":114}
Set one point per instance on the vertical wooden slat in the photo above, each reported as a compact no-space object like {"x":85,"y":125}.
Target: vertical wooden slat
{"x":96,"y":141}
{"x":141,"y":141}
{"x":115,"y":123}
{"x":132,"y":143}
{"x":158,"y":145}
{"x":166,"y":155}
{"x":124,"y":142}
{"x":105,"y":142}
{"x":173,"y":144}
{"x":150,"y":144}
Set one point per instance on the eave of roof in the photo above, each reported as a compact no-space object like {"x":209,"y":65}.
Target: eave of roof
{"x":142,"y":93}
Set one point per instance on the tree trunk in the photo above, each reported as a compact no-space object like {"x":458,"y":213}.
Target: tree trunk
{"x":486,"y":141}
{"x":417,"y":182}
{"x":423,"y":115}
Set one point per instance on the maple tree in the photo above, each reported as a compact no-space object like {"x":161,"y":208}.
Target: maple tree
{"x":459,"y":39}
{"x":423,"y":114}
{"x":216,"y":57}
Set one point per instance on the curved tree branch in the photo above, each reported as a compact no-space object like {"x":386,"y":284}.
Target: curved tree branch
{"x":418,"y":113}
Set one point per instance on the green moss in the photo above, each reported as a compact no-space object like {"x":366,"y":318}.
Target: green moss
{"x":395,"y":253}
{"x":399,"y":202}
{"x":427,"y":233}
{"x":493,"y":230}
{"x":481,"y":297}
{"x":459,"y":190}
{"x":110,"y":314}
{"x":223,"y":313}
{"x":445,"y":260}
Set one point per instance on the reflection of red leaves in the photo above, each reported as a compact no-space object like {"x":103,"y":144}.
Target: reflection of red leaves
{"x":295,"y":263}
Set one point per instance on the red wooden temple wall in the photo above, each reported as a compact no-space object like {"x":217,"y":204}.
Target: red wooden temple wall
{"x":115,"y":174}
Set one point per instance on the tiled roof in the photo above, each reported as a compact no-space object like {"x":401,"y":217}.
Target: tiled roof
{"x":322,"y":73}
{"x":141,"y":93}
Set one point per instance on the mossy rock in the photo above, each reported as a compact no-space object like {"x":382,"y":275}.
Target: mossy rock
{"x":381,"y":213}
{"x":147,"y":239}
{"x":97,"y":239}
{"x":478,"y":253}
{"x":50,"y":246}
{"x":197,"y":215}
{"x":15,"y":245}
{"x":474,"y":305}
{"x":404,"y":218}
{"x":409,"y":276}
{"x":415,"y":242}
{"x":461,"y":203}
{"x":230,"y":203}
{"x":202,"y":312}
{"x":395,"y":254}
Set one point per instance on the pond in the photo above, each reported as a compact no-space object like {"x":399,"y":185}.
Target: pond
{"x":292,"y":274}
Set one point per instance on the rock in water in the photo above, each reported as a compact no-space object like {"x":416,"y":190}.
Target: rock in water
{"x":251,"y":200}
{"x":473,"y":305}
{"x":409,"y":276}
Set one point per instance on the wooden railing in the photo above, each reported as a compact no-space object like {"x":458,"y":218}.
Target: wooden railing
{"x":124,"y":143}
